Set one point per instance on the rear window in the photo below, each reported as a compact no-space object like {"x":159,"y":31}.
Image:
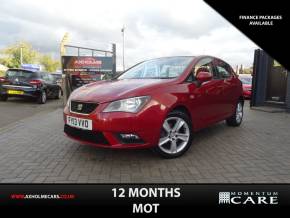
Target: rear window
{"x":246,"y":80}
{"x":20,"y":73}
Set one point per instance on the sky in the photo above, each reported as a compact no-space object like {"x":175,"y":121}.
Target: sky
{"x":153,"y":28}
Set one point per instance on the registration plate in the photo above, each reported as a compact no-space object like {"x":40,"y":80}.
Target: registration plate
{"x":79,"y":123}
{"x":15,"y":92}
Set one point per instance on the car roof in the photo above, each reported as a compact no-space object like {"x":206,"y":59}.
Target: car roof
{"x":38,"y":73}
{"x":170,"y":57}
{"x":190,"y":56}
{"x":18,"y":69}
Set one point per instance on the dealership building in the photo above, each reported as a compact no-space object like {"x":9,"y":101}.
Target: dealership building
{"x":271,"y":82}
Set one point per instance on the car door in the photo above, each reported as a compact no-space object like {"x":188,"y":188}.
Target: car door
{"x":53,"y":85}
{"x":228,"y":97}
{"x":48,"y":84}
{"x":205,"y":98}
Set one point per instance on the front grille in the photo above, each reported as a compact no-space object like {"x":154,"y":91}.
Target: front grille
{"x":82,"y":107}
{"x":86,"y":135}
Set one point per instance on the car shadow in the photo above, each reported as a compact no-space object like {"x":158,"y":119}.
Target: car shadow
{"x":98,"y":154}
{"x":26,"y":100}
{"x":21,"y":100}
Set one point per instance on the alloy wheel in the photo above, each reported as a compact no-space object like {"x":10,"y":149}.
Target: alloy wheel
{"x":175,"y":135}
{"x":59,"y":94}
{"x":239,"y":112}
{"x":43,"y":96}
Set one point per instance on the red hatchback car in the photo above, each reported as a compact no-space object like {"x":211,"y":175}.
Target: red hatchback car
{"x":247,"y":85}
{"x":156,"y":104}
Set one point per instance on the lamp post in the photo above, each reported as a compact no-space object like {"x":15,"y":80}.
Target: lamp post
{"x":123,"y":35}
{"x":65,"y":78}
{"x":21,"y":56}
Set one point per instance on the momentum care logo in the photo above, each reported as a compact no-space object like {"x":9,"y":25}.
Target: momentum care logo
{"x":248,"y":198}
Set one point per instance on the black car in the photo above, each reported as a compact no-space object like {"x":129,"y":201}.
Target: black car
{"x":58,"y":79}
{"x":26,"y":83}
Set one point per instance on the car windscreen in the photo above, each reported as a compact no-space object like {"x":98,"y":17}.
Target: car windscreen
{"x":20,"y":74}
{"x":162,"y":68}
{"x":246,"y":80}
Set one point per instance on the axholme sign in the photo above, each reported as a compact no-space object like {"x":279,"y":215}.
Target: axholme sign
{"x":87,"y":62}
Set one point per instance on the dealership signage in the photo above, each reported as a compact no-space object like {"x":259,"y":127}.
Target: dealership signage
{"x":248,"y":197}
{"x":83,"y":69}
{"x":155,"y":199}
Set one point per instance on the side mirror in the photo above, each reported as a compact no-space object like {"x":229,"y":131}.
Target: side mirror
{"x":203,"y":76}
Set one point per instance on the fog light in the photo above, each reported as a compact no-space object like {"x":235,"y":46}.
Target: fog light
{"x":129,"y":138}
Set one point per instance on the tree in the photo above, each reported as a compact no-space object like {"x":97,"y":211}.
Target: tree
{"x":49,"y":63}
{"x":11,"y":55}
{"x":248,"y":70}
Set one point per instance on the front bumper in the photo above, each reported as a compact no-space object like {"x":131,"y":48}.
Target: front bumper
{"x":107,"y":127}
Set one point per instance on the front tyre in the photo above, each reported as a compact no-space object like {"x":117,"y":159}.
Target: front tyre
{"x":237,"y":118}
{"x":176,"y":135}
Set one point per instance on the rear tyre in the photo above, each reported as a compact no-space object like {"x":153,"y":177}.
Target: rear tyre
{"x":42,"y":97}
{"x":3,"y":97}
{"x":237,"y":118}
{"x":176,"y":135}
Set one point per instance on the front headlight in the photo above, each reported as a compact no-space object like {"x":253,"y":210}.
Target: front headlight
{"x":132,"y":105}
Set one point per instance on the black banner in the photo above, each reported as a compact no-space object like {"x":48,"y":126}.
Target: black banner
{"x":82,"y":70}
{"x":159,"y":199}
{"x":265,"y":22}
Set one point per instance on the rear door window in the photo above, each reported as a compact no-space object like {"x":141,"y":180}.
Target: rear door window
{"x":51,"y":78}
{"x":223,"y":72}
{"x":45,"y":77}
{"x":223,"y":69}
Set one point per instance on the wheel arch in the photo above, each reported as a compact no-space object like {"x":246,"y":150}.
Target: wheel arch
{"x":242,"y":99}
{"x":183,"y":109}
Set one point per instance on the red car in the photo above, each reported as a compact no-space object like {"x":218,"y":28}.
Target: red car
{"x":247,"y":85}
{"x":156,"y":104}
